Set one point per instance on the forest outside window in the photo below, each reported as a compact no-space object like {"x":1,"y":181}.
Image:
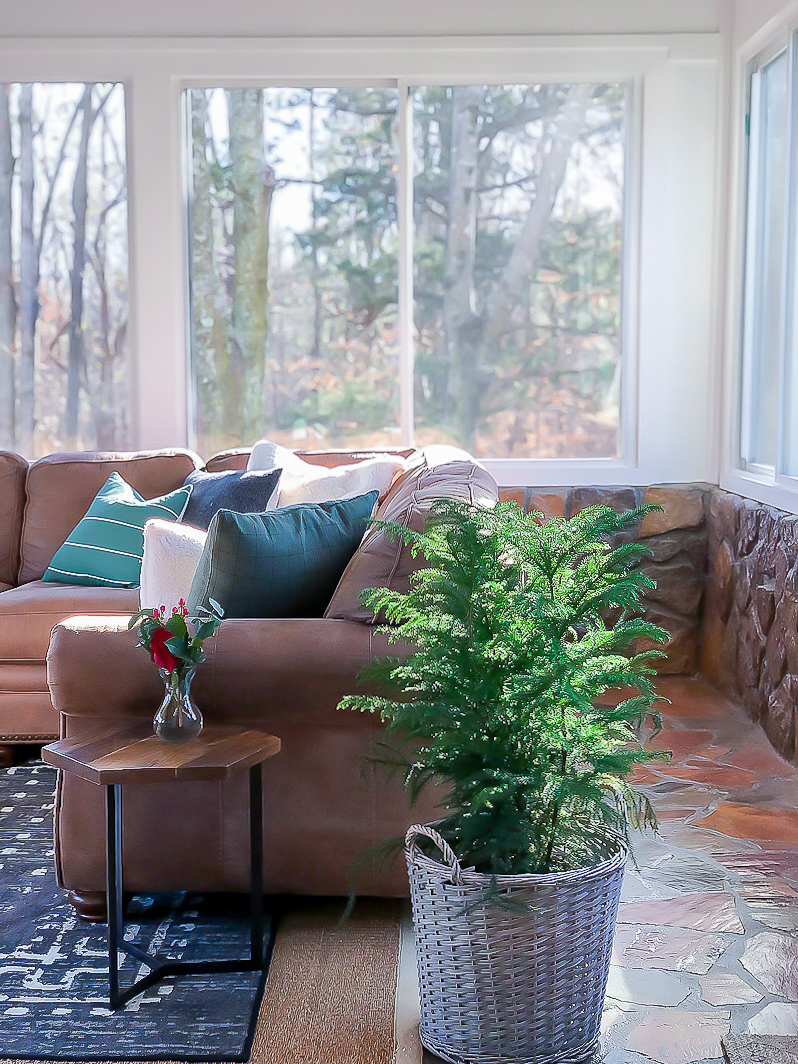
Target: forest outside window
{"x":63,"y":268}
{"x":504,"y":202}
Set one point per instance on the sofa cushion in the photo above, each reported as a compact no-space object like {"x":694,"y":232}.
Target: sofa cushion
{"x":436,"y":472}
{"x":232,"y":459}
{"x":28,"y":614}
{"x":284,"y":563}
{"x":172,"y":551}
{"x":246,"y":492}
{"x":238,"y":457}
{"x":60,"y":488}
{"x":13,"y":470}
{"x":104,"y":549}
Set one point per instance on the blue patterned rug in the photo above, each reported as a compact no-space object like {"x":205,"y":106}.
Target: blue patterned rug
{"x":54,"y":967}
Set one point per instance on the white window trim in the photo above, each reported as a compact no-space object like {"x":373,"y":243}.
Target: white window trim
{"x":654,"y":395}
{"x":771,"y":487}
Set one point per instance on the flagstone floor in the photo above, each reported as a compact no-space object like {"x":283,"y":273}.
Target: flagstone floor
{"x":707,"y":937}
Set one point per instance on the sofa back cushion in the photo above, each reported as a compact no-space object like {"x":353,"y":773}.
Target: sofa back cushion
{"x":436,"y":472}
{"x":225,"y":460}
{"x":13,"y":470}
{"x":61,"y":487}
{"x":238,"y":458}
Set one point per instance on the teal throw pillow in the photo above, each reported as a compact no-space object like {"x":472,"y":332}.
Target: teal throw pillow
{"x":283,"y":563}
{"x":105,"y":547}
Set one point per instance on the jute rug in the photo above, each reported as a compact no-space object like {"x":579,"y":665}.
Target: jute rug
{"x":330,"y":995}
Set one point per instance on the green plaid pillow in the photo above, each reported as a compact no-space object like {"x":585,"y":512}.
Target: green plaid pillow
{"x":105,"y":548}
{"x":283,"y":563}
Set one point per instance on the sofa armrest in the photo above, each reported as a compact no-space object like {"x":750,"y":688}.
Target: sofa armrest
{"x":257,"y":671}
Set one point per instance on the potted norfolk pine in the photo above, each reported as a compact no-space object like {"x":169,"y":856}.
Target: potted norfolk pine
{"x":518,"y":626}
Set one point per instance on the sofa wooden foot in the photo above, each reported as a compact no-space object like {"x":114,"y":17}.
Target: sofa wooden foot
{"x":7,"y":755}
{"x":89,"y":905}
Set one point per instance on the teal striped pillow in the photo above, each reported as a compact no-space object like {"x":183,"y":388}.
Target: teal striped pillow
{"x":105,"y":547}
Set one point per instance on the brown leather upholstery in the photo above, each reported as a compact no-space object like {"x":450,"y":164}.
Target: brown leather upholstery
{"x":27,"y":616}
{"x":237,"y":459}
{"x":27,"y":715}
{"x":60,"y":488}
{"x":44,"y":502}
{"x":321,"y":808}
{"x":13,"y":470}
{"x":381,"y":560}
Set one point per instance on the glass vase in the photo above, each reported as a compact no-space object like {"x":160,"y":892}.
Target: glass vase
{"x":178,"y":719}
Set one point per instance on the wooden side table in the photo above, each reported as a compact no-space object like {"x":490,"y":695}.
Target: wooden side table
{"x":127,"y":756}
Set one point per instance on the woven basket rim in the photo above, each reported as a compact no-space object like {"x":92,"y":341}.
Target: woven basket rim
{"x":472,"y":878}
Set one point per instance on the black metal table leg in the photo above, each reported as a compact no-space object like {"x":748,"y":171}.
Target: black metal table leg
{"x":256,"y":866}
{"x":258,"y":958}
{"x":113,"y":884}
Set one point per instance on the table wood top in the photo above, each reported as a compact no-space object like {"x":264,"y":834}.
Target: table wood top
{"x":133,"y":754}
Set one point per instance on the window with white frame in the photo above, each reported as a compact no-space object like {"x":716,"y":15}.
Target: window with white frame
{"x":767,"y":414}
{"x":602,"y":373}
{"x":389,"y":264}
{"x":63,"y":267}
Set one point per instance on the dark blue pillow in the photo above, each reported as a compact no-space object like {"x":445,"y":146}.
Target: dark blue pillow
{"x":247,"y":492}
{"x":284,"y":563}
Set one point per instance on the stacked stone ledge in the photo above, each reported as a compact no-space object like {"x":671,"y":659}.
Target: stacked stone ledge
{"x":678,"y":541}
{"x":750,"y":634}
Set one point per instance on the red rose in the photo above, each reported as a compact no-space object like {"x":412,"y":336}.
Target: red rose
{"x":161,"y":654}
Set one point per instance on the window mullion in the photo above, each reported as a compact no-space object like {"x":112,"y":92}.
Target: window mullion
{"x":157,"y":262}
{"x":405,"y":288}
{"x":752,"y":199}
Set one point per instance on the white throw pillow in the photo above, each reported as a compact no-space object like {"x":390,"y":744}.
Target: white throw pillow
{"x":305,"y":482}
{"x":266,"y":454}
{"x":171,"y":555}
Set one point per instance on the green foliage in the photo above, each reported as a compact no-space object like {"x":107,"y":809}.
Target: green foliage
{"x":501,"y":700}
{"x":187,"y":634}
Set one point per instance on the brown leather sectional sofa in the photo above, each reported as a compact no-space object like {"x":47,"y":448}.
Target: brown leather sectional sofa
{"x":322,"y":806}
{"x":40,"y":504}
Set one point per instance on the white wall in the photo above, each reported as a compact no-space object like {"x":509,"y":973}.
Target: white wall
{"x":749,"y":16}
{"x":341,"y":18}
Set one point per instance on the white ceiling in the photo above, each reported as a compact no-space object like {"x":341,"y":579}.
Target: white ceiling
{"x":269,"y":18}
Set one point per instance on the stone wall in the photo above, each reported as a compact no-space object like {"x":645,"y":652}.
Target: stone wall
{"x":750,"y":632}
{"x":677,"y":539}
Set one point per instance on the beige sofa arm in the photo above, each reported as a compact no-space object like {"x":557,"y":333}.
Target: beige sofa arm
{"x":257,"y":670}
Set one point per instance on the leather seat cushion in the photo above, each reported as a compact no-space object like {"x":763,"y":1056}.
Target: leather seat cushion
{"x":30,"y":612}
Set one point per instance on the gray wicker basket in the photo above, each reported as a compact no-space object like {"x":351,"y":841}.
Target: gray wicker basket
{"x":512,"y":986}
